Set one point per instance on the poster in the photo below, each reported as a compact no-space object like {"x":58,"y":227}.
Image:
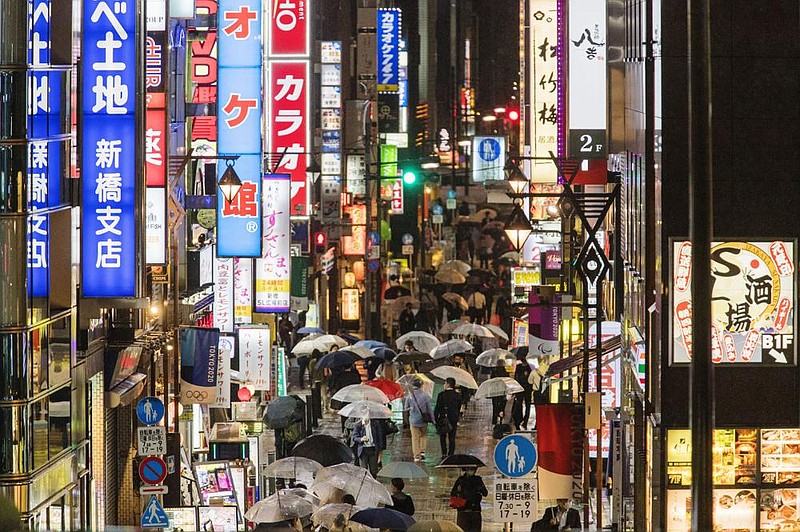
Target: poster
{"x":255,"y":352}
{"x":199,"y":358}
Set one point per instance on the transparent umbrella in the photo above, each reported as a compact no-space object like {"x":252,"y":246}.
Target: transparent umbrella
{"x":303,"y":494}
{"x":498,"y":387}
{"x":362,"y":408}
{"x":406,"y":382}
{"x":422,"y":341}
{"x":326,"y":514}
{"x":497,"y":331}
{"x":360,"y":392}
{"x":491,"y":357}
{"x":458,"y":265}
{"x":278,"y":507}
{"x":353,"y":480}
{"x":450,"y":277}
{"x":456,"y":299}
{"x":361,"y":351}
{"x":435,"y":526}
{"x":451,"y":347}
{"x":451,"y":326}
{"x":308,"y":346}
{"x":463,"y":378}
{"x":473,"y":329}
{"x":332,"y":339}
{"x":402,"y":470}
{"x":291,"y":467}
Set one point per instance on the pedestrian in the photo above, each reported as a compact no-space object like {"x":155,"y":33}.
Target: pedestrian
{"x":522,"y":374}
{"x":371,"y":441}
{"x":418,"y":404}
{"x":559,"y":517}
{"x":371,"y":366}
{"x":499,"y":402}
{"x":401,"y":501}
{"x":389,"y":369}
{"x":465,"y":393}
{"x":504,"y":312}
{"x":471,"y":488}
{"x":538,"y":382}
{"x":447,"y":414}
{"x":407,"y":321}
{"x":477,"y":307}
{"x":285,"y":328}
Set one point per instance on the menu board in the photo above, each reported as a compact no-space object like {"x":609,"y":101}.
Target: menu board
{"x":745,"y":456}
{"x":779,"y":510}
{"x":780,"y":456}
{"x":182,"y":519}
{"x":734,"y":510}
{"x":679,"y":457}
{"x":734,"y":457}
{"x":218,"y":518}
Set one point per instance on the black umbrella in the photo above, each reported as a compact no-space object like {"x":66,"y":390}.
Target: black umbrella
{"x":383,"y":518}
{"x":430,"y":365}
{"x":461,"y":461}
{"x":284,"y":411}
{"x":351,"y":338}
{"x":336,"y":359}
{"x":393,"y":292}
{"x":325,"y":449}
{"x":382,"y":352}
{"x":411,"y":357}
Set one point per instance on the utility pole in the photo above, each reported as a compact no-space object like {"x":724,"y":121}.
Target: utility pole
{"x":367,"y":122}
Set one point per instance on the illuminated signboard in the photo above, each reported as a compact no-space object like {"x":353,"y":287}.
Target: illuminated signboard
{"x":108,"y":207}
{"x":331,"y":158}
{"x":239,"y":125}
{"x":351,"y":304}
{"x":289,"y":28}
{"x":223,"y":294}
{"x":543,"y":83}
{"x":752,"y":302}
{"x":357,"y":243}
{"x":255,"y":356}
{"x":273,"y":270}
{"x":155,"y":135}
{"x":203,"y":77}
{"x":288,"y":113}
{"x":388,"y":50}
{"x":243,"y":290}
{"x":587,"y":79}
{"x":488,"y":158}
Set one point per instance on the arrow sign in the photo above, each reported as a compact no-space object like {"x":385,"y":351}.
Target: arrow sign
{"x":152,"y":470}
{"x":154,"y":515}
{"x":779,"y":357}
{"x":153,"y":490}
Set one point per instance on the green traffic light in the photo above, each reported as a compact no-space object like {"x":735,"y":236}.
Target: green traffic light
{"x":409,"y":177}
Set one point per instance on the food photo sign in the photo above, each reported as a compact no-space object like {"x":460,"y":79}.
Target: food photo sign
{"x":753,"y":289}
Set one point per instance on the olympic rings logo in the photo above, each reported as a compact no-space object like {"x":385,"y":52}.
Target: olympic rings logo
{"x":194,"y":394}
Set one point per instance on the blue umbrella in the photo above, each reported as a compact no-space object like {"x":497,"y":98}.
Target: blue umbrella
{"x":382,"y":351}
{"x":383,"y":518}
{"x":337,"y":358}
{"x":370,"y":344}
{"x":310,"y":330}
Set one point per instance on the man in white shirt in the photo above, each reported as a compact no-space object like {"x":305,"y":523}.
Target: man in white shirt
{"x":477,"y":307}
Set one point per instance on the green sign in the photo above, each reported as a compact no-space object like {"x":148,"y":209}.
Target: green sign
{"x":281,"y":372}
{"x":388,"y":160}
{"x":299,"y":282}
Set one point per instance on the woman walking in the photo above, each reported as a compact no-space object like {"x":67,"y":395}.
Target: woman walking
{"x":471,"y":489}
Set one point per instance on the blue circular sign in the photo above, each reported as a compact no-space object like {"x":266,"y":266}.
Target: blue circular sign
{"x":407,"y":239}
{"x":437,"y":209}
{"x":374,"y":238}
{"x":374,"y":265}
{"x":152,"y":470}
{"x":515,"y":456}
{"x":489,"y":150}
{"x":150,"y":410}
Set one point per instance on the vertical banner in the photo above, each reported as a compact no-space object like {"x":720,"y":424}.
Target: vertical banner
{"x":255,"y":352}
{"x":239,"y":125}
{"x":223,"y":398}
{"x":388,"y":50}
{"x":155,"y":139}
{"x":108,"y":203}
{"x":288,"y":123}
{"x":331,"y":99}
{"x":586,"y":115}
{"x":299,"y":283}
{"x":243,"y":290}
{"x":610,"y":380}
{"x":202,"y":74}
{"x":543,"y":84}
{"x":289,"y":28}
{"x":356,"y":244}
{"x":560,"y":445}
{"x":199,"y":359}
{"x":543,"y":322}
{"x":273,"y":269}
{"x":223,"y":294}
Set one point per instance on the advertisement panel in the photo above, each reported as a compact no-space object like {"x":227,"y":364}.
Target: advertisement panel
{"x":223,"y":398}
{"x":560,"y":431}
{"x":108,"y":224}
{"x":586,"y":115}
{"x":753,"y":293}
{"x":610,"y":380}
{"x":289,"y":27}
{"x":255,"y":353}
{"x":223,"y":294}
{"x":199,"y":358}
{"x":488,"y":158}
{"x":243,"y":290}
{"x":388,"y":53}
{"x":273,"y":269}
{"x":156,"y":225}
{"x":543,"y":83}
{"x":288,"y":124}
{"x":356,"y":244}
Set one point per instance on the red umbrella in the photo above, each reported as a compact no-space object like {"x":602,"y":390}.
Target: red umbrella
{"x":390,"y":388}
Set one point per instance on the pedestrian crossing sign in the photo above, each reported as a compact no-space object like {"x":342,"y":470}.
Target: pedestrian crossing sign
{"x":154,"y":515}
{"x":515,"y":456}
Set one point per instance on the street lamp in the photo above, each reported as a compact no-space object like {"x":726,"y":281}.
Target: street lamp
{"x":230,"y":184}
{"x":518,"y":228}
{"x":516,"y":179}
{"x":313,"y":170}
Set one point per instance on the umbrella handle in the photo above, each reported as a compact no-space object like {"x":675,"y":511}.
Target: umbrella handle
{"x":359,"y":491}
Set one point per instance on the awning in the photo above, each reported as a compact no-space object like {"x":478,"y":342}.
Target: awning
{"x":576,"y":358}
{"x":126,"y":391}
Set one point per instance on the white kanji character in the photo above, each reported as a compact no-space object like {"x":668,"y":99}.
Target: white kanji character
{"x":119,"y":7}
{"x":109,"y":218}
{"x":109,"y":254}
{"x":109,"y":187}
{"x":111,"y":95}
{"x":290,"y":116}
{"x":291,"y":156}
{"x":37,"y":45}
{"x":290,"y":88}
{"x":39,"y":99}
{"x":37,"y":156}
{"x":37,"y":188}
{"x":107,"y":153}
{"x":108,"y":45}
{"x":37,"y":248}
{"x":152,"y":151}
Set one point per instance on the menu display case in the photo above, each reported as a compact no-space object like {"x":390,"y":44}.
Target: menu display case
{"x":779,"y":510}
{"x":780,"y":456}
{"x":735,"y":510}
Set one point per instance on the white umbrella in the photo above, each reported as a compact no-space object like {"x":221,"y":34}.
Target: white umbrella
{"x":278,"y":507}
{"x":308,"y":346}
{"x":303,"y":494}
{"x":360,"y":392}
{"x":451,"y":347}
{"x":498,"y":387}
{"x":406,"y":380}
{"x":291,"y":467}
{"x":450,"y":326}
{"x":360,"y":408}
{"x":402,"y":470}
{"x":423,"y":341}
{"x":497,"y":331}
{"x":491,"y":357}
{"x":463,"y":378}
{"x":473,"y":329}
{"x":353,"y":480}
{"x":450,"y":277}
{"x":360,"y":350}
{"x":458,"y":265}
{"x":333,"y":340}
{"x":325,"y":515}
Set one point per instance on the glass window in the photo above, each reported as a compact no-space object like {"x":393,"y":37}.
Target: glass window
{"x":13,"y":361}
{"x":40,"y":433}
{"x":60,"y":352}
{"x":59,"y":420}
{"x":39,"y":347}
{"x":13,"y":250}
{"x":13,"y":90}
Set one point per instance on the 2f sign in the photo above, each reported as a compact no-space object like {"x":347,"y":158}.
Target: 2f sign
{"x":587,"y":143}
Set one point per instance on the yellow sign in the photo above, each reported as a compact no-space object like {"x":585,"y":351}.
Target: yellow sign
{"x":351,"y":304}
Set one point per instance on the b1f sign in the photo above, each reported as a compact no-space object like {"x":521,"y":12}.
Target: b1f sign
{"x":388,"y":50}
{"x":488,"y":158}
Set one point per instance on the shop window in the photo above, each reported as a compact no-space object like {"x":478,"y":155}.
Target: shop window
{"x":13,"y":90}
{"x":40,"y":433}
{"x":13,"y":367}
{"x":51,"y":354}
{"x":13,"y":249}
{"x":59,"y":437}
{"x":14,"y":442}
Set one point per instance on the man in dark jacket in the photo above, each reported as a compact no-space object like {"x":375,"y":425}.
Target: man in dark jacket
{"x":522,"y":374}
{"x":406,"y":321}
{"x":402,"y":502}
{"x":448,"y":406}
{"x":560,"y":517}
{"x":371,"y":440}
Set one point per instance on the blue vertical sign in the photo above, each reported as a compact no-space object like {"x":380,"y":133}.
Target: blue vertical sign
{"x":108,"y":207}
{"x":239,"y":125}
{"x":388,"y":50}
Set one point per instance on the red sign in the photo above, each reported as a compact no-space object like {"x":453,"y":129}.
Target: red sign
{"x":288,"y":28}
{"x":289,"y":126}
{"x":154,"y":144}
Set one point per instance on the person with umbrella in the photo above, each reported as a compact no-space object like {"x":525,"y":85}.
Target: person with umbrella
{"x":389,"y":369}
{"x":370,"y":439}
{"x":522,"y":373}
{"x":420,"y":413}
{"x":477,"y":306}
{"x":498,"y":402}
{"x":457,"y":361}
{"x":406,"y":321}
{"x":401,"y":501}
{"x":448,"y":412}
{"x":469,"y":487}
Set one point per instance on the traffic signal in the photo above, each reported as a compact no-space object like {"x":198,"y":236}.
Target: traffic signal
{"x":409,"y":176}
{"x":512,"y":114}
{"x":320,"y":241}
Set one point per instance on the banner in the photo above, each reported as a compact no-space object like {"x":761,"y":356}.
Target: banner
{"x":223,"y":294}
{"x":199,"y":359}
{"x":388,"y":49}
{"x":560,"y":445}
{"x":243,"y":291}
{"x":542,"y":327}
{"x":223,"y":399}
{"x":255,"y":351}
{"x":273,"y":269}
{"x":611,"y":381}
